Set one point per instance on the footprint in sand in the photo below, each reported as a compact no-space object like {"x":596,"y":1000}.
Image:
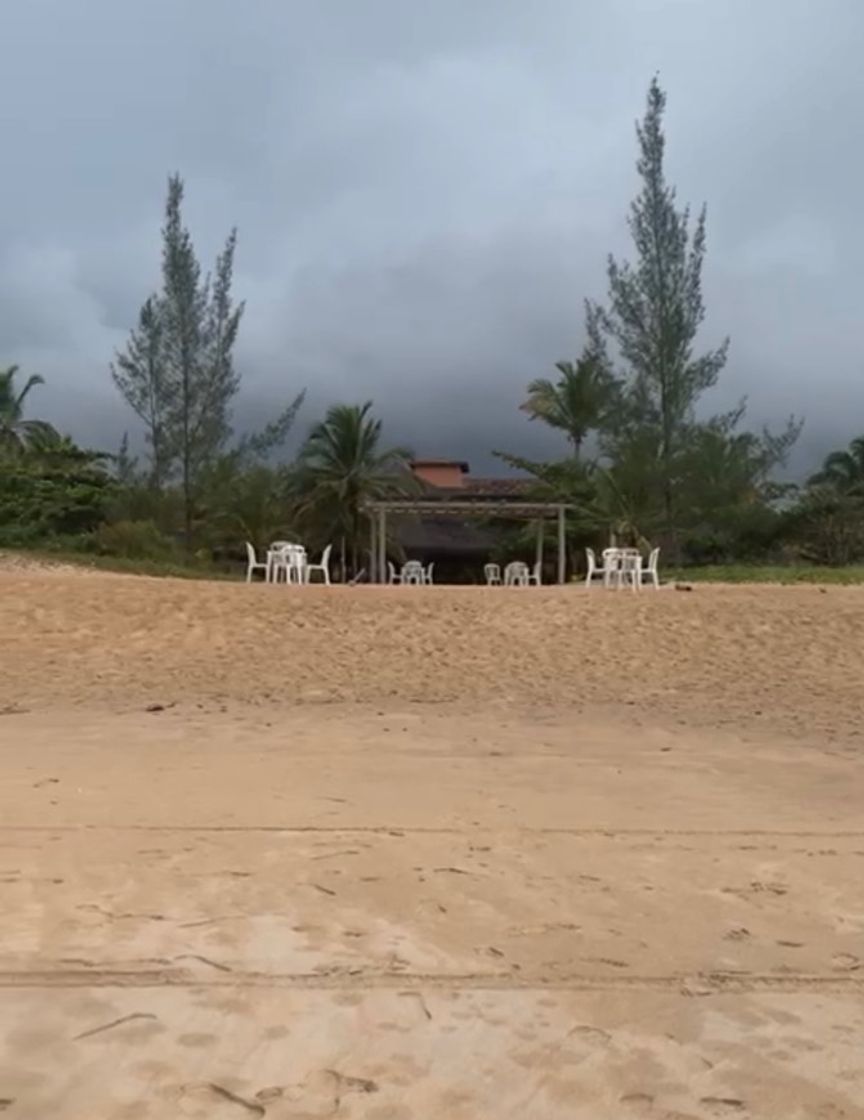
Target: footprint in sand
{"x":723,"y":1106}
{"x":642,"y":1106}
{"x":639,"y":1104}
{"x":319,"y":1095}
{"x":591,"y":1036}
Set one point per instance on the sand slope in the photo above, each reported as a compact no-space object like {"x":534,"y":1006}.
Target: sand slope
{"x":731,"y":655}
{"x":595,"y":878}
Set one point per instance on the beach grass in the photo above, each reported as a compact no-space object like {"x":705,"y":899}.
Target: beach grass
{"x":767,"y":573}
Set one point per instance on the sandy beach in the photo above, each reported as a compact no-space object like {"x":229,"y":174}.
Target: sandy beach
{"x":398,"y":854}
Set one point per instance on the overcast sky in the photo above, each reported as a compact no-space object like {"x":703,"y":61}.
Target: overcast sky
{"x":426,"y":192}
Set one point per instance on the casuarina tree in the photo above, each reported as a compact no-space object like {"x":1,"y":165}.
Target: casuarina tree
{"x":655,"y":308}
{"x":200,"y":325}
{"x":177,"y":371}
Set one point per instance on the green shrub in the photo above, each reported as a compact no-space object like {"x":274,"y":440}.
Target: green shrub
{"x":827,"y":528}
{"x":40,"y":501}
{"x":133,"y":540}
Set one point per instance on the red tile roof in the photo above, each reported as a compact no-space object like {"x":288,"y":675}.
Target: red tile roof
{"x":498,"y":487}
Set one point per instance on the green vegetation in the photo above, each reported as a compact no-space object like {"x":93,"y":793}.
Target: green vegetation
{"x":704,"y":489}
{"x":341,"y":466}
{"x":767,"y":573}
{"x":140,"y":567}
{"x":641,"y":463}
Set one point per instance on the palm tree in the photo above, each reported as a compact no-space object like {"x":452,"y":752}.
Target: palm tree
{"x":341,"y":467}
{"x":16,"y":433}
{"x":577,"y":403}
{"x":250,"y":503}
{"x":844,"y":470}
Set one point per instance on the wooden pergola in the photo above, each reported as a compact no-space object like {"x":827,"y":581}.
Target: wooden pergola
{"x":465,"y":507}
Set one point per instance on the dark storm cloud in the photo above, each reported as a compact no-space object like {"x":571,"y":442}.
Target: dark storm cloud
{"x":426,"y":193}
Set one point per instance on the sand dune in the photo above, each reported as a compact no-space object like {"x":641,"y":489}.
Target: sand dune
{"x":751,"y":656}
{"x":396,"y":854}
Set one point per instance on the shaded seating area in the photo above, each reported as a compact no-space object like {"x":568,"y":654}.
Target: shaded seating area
{"x":463,"y":507}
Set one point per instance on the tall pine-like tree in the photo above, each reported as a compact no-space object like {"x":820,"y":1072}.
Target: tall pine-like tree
{"x":200,"y":325}
{"x":655,"y":308}
{"x":177,"y":371}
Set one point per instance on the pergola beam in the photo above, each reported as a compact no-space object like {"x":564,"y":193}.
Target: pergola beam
{"x":562,"y":544}
{"x":528,"y":510}
{"x":382,"y":545}
{"x":481,"y":507}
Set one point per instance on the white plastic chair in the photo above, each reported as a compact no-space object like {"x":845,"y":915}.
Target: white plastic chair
{"x":323,"y":566}
{"x":595,"y":570}
{"x":650,"y":569}
{"x":492,"y":574}
{"x":535,"y":576}
{"x":612,"y":561}
{"x":253,"y":564}
{"x":412,"y":573}
{"x":629,"y":569}
{"x":516,"y":574}
{"x":287,"y":559}
{"x":392,"y":575}
{"x":275,"y":562}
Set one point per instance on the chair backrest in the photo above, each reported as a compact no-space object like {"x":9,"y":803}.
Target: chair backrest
{"x":391,"y":570}
{"x":250,"y":554}
{"x":491,"y":571}
{"x":325,"y":556}
{"x":412,"y":571}
{"x":591,"y":558}
{"x":282,"y":546}
{"x":430,"y":568}
{"x":653,"y":559}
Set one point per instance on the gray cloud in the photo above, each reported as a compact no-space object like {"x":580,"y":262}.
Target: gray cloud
{"x":426,"y":193}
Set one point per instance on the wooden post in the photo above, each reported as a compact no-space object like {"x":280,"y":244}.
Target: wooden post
{"x":562,"y":546}
{"x":373,"y":548}
{"x":382,"y":546}
{"x":541,"y":529}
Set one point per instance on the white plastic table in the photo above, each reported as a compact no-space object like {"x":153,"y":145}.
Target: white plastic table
{"x":621,"y":566}
{"x":290,"y":559}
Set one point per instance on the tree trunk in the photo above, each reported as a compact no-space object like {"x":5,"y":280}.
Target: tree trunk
{"x":187,"y":502}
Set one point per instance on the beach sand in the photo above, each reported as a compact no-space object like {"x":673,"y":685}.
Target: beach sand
{"x":429,"y":854}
